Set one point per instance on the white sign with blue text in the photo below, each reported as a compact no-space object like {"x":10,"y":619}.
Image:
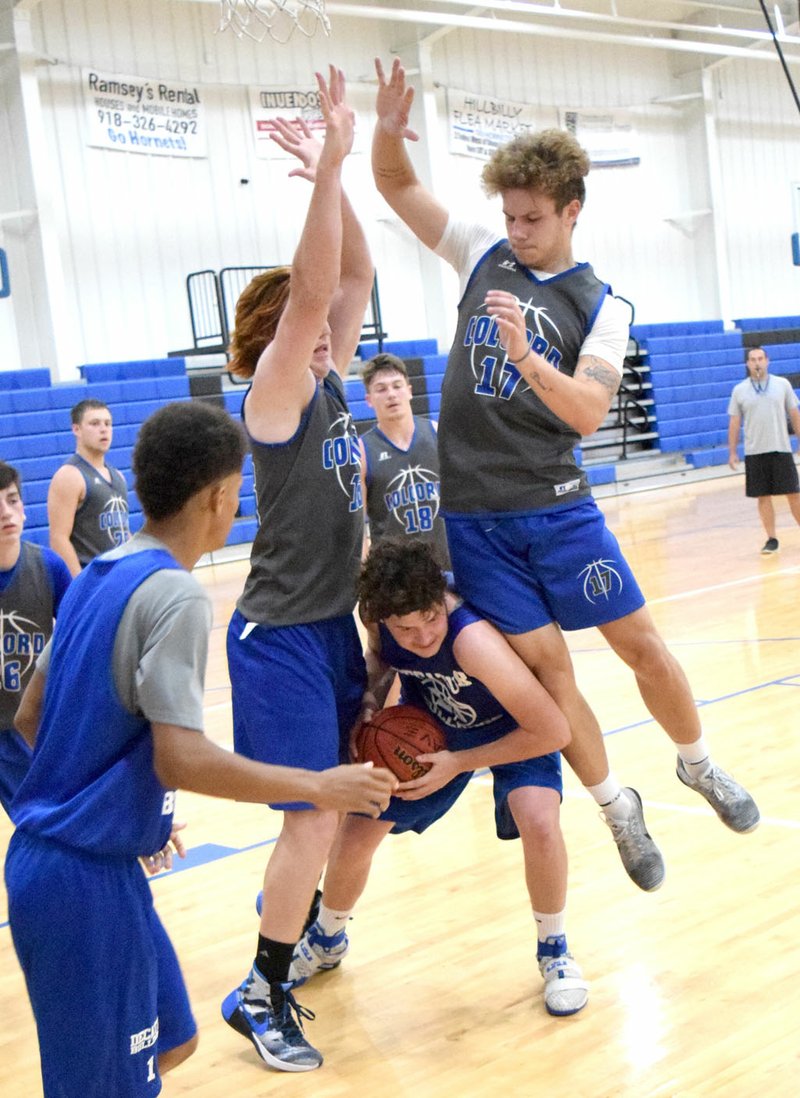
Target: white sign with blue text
{"x":139,"y":115}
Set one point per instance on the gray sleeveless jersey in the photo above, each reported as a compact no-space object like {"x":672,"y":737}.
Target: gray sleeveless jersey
{"x":26,"y":624}
{"x":500,"y":448}
{"x":403,"y":487}
{"x":101,"y":521}
{"x":306,"y":554}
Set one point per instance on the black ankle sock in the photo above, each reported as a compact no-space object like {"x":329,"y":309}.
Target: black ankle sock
{"x":273,"y":959}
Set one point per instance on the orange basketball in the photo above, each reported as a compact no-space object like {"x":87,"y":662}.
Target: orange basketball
{"x":395,"y":736}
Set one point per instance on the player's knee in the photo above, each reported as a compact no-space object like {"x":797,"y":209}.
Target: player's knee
{"x":536,"y":817}
{"x":174,"y":1056}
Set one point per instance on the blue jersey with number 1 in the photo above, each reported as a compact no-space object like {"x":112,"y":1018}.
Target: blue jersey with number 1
{"x":91,"y":784}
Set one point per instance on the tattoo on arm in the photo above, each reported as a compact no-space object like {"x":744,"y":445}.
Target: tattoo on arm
{"x":600,"y":371}
{"x":390,"y":173}
{"x":537,"y":378}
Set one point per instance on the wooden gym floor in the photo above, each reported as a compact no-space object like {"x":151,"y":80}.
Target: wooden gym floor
{"x":695,"y":989}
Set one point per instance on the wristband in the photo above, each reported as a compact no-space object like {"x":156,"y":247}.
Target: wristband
{"x":516,"y":361}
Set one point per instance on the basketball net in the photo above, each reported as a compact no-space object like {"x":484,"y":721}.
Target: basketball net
{"x":278,"y":19}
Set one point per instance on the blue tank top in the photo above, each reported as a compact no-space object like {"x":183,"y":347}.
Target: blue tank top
{"x":91,"y":784}
{"x":469,"y":714}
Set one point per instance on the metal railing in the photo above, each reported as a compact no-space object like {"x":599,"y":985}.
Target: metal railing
{"x":212,"y":299}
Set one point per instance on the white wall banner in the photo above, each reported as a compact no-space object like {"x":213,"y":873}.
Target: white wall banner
{"x":134,"y":114}
{"x":608,"y":136}
{"x":267,"y":104}
{"x":478,"y":124}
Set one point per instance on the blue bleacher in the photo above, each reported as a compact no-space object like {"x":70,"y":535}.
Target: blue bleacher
{"x":129,"y":371}
{"x":403,"y":348}
{"x":766,"y":323}
{"x":36,"y":378}
{"x":36,"y":435}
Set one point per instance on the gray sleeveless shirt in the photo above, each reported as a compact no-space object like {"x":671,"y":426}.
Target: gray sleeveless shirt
{"x":306,"y":554}
{"x":403,"y":488}
{"x":26,"y":624}
{"x":101,"y":521}
{"x":501,"y":449}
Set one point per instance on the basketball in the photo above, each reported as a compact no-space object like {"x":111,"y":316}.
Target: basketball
{"x":395,"y":736}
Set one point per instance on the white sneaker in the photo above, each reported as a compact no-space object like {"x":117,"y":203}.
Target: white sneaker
{"x":565,"y":990}
{"x":317,"y":952}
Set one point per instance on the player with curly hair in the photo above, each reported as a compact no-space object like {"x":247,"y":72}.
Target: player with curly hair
{"x":535,"y":364}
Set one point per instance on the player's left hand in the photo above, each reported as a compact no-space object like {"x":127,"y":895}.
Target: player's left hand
{"x":162,"y":859}
{"x":295,"y":137}
{"x":444,"y":768}
{"x":504,"y":307}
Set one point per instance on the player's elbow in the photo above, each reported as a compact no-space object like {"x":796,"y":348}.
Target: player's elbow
{"x":589,"y":420}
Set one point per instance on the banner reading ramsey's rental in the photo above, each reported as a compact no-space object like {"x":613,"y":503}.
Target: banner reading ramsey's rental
{"x":134,"y":114}
{"x":481,"y":123}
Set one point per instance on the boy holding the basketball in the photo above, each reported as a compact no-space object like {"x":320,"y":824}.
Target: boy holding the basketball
{"x":494,"y":713}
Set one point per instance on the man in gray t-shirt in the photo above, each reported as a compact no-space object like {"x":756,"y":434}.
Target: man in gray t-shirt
{"x":766,"y":404}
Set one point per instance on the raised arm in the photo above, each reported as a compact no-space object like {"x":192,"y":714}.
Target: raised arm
{"x":394,"y":173}
{"x":356,"y":275}
{"x":283,"y":383}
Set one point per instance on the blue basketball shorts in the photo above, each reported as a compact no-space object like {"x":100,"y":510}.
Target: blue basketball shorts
{"x":296,"y":691}
{"x":524,"y":571}
{"x":15,"y":759}
{"x":102,"y":976}
{"x":544,"y":771}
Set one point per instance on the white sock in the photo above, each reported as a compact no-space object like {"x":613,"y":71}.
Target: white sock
{"x":696,"y":757}
{"x":608,"y":794}
{"x":550,"y":926}
{"x":331,"y":922}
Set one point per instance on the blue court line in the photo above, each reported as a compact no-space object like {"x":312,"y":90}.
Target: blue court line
{"x":786,"y":680}
{"x":206,"y":853}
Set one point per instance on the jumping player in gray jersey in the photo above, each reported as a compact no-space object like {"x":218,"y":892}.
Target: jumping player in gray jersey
{"x":400,"y":461}
{"x":296,"y":665}
{"x":87,"y":502}
{"x":534,"y":366}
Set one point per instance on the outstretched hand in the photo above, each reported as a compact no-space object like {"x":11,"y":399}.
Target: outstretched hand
{"x":339,"y":118}
{"x":296,"y":137}
{"x":361,"y":788}
{"x":393,"y":102}
{"x":504,"y":307}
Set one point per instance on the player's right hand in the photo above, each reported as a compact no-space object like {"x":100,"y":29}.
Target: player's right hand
{"x":393,"y":102}
{"x":339,"y":118}
{"x":360,"y":788}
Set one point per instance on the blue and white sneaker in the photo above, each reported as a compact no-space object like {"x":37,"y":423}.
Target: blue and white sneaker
{"x":565,"y":990}
{"x":317,"y":952}
{"x":277,"y":1033}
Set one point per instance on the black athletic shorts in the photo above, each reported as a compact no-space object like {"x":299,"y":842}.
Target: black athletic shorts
{"x":772,"y":474}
